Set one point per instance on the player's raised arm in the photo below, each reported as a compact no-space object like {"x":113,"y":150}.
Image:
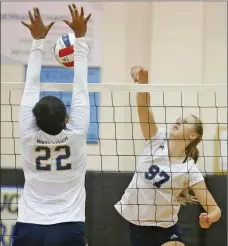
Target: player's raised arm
{"x":146,"y":116}
{"x":32,"y":86}
{"x":80,"y":107}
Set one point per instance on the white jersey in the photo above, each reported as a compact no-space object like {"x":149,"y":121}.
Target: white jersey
{"x":151,"y":197}
{"x":54,"y":166}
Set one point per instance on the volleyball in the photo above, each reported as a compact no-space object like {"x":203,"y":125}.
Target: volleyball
{"x":64,"y":50}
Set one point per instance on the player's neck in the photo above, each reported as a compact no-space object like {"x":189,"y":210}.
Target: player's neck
{"x":176,"y":149}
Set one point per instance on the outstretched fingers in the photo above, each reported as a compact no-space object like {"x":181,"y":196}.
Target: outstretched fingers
{"x":78,"y":23}
{"x":82,"y":12}
{"x":72,"y":12}
{"x":75,"y":14}
{"x":88,"y":17}
{"x":50,"y":26}
{"x":67,"y":22}
{"x":82,"y":15}
{"x":30,"y":16}
{"x":31,"y":19}
{"x":25,"y":24}
{"x":37,"y":13}
{"x":37,"y":27}
{"x":75,"y":10}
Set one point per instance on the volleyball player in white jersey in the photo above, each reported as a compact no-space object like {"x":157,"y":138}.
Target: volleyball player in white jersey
{"x":165,"y":171}
{"x":51,"y":211}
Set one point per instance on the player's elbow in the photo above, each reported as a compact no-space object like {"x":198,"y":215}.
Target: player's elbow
{"x":218,"y":212}
{"x":215,"y":213}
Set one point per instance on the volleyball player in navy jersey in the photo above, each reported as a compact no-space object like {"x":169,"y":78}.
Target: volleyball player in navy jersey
{"x":51,"y":211}
{"x":164,"y":174}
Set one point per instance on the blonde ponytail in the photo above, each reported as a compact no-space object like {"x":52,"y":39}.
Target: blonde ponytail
{"x":191,"y":151}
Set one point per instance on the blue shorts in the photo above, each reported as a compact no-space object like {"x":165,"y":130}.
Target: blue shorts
{"x":153,"y":235}
{"x":70,"y":234}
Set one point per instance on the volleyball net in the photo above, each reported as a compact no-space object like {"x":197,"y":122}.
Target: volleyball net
{"x":115,"y":140}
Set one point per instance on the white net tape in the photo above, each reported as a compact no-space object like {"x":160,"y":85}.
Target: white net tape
{"x":119,"y":139}
{"x":122,"y":87}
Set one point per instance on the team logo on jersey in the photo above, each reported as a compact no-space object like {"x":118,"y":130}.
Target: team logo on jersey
{"x":173,"y":237}
{"x":161,"y":147}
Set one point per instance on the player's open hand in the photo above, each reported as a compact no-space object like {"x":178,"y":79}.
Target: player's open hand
{"x":79,"y":22}
{"x":139,"y":74}
{"x":37,"y":27}
{"x":205,"y":220}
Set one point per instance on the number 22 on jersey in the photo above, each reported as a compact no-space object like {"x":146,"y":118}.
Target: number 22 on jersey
{"x":153,"y":172}
{"x":44,"y":154}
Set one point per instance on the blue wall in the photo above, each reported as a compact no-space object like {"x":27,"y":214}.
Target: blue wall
{"x":64,"y":75}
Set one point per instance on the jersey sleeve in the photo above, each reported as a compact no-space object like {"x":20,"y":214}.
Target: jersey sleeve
{"x":80,"y":107}
{"x":157,"y":139}
{"x":194,"y":175}
{"x":31,"y":92}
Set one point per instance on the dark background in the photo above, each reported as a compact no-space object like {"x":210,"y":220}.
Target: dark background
{"x":105,"y":227}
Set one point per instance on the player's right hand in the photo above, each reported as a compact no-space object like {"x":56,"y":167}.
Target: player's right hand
{"x":37,"y":27}
{"x":139,"y":74}
{"x":78,"y":23}
{"x":205,"y":220}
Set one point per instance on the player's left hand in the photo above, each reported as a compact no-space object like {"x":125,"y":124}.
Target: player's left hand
{"x":37,"y":27}
{"x":79,"y":22}
{"x":205,"y":220}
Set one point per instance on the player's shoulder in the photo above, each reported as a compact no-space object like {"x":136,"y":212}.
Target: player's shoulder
{"x":161,"y":135}
{"x":157,"y":143}
{"x":31,"y":135}
{"x":191,"y":166}
{"x":73,"y":133}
